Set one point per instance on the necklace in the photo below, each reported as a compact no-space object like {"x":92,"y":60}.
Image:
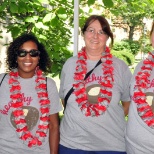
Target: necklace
{"x":139,"y":96}
{"x":17,"y":104}
{"x":106,"y":83}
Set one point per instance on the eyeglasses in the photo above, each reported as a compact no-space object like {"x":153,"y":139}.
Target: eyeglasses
{"x":92,"y":32}
{"x":32,"y":53}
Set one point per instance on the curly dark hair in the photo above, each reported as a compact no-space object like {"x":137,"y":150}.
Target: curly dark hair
{"x":44,"y":62}
{"x":104,"y":24}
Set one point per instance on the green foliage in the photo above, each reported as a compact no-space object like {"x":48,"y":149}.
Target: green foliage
{"x":49,"y":20}
{"x":132,"y":13}
{"x":124,"y":55}
{"x":90,"y":2}
{"x":134,"y":46}
{"x":108,"y":3}
{"x":131,"y":46}
{"x":147,"y":48}
{"x":121,"y":45}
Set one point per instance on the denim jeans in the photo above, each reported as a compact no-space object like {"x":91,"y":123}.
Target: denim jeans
{"x":65,"y":150}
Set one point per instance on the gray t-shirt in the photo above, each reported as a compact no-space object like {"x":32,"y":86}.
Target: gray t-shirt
{"x":9,"y":140}
{"x":102,"y":133}
{"x":140,"y":137}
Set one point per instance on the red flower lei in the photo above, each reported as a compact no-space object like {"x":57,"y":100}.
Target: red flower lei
{"x":106,"y":84}
{"x":17,"y":104}
{"x":139,"y":96}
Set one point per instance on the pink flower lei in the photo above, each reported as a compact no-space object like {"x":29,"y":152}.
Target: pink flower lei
{"x":17,"y":104}
{"x":139,"y":96}
{"x":106,"y":83}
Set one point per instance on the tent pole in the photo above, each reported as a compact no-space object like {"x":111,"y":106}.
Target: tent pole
{"x":76,"y":26}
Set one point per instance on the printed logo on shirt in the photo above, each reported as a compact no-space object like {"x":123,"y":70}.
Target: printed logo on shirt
{"x":93,"y":91}
{"x":27,"y":101}
{"x":31,"y":113}
{"x":93,"y":78}
{"x":31,"y":116}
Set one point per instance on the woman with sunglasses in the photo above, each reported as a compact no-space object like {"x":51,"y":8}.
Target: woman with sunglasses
{"x":140,"y":126}
{"x":29,"y":101}
{"x":94,"y":118}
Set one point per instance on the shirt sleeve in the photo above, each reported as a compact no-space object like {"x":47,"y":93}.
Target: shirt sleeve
{"x":62,"y":78}
{"x":127,"y":75}
{"x":55,"y":104}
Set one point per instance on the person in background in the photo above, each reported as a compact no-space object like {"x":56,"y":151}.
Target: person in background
{"x":29,"y":101}
{"x":94,"y":118}
{"x":140,"y":127}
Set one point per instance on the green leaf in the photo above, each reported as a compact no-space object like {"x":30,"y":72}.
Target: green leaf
{"x":90,"y":10}
{"x":22,"y":8}
{"x":15,"y":31}
{"x":56,"y":47}
{"x":108,"y":3}
{"x":91,"y":2}
{"x":62,"y":16}
{"x":47,"y":17}
{"x":80,"y":11}
{"x":44,"y":1}
{"x":31,"y":19}
{"x":61,"y":10}
{"x":56,"y":55}
{"x":42,"y":37}
{"x":40,"y":25}
{"x":13,"y":8}
{"x":54,"y":21}
{"x":3,"y":6}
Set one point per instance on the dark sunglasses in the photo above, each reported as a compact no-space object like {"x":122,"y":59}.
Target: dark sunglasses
{"x":32,"y":53}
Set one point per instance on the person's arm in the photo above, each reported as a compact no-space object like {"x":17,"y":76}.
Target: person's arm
{"x":54,"y":133}
{"x":125,"y":107}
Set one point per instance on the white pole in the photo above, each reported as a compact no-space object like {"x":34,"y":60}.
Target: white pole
{"x":76,"y":26}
